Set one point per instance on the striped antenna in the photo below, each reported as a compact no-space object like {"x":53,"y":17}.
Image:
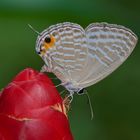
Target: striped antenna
{"x":33,"y":29}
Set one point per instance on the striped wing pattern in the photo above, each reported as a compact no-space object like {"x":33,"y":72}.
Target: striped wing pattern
{"x":70,"y":51}
{"x":108,"y":47}
{"x":87,"y":56}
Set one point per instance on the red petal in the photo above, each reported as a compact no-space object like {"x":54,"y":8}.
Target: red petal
{"x":53,"y":126}
{"x":33,"y":91}
{"x":30,"y":74}
{"x":32,"y":109}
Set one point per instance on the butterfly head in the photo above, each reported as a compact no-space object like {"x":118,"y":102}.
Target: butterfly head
{"x":45,"y":41}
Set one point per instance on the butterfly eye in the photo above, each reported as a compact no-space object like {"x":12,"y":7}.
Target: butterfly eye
{"x":47,"y":39}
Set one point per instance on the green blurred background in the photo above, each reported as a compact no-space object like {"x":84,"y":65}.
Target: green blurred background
{"x":116,"y":100}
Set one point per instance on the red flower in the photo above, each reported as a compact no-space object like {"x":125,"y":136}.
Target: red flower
{"x":32,"y":109}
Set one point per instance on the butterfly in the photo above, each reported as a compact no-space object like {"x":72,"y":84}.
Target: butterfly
{"x":82,"y":57}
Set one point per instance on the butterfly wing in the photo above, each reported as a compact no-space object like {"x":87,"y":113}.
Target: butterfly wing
{"x":109,"y":46}
{"x":67,"y":58}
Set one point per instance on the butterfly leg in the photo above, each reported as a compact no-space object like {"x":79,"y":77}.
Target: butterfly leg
{"x":69,"y":96}
{"x":62,"y":92}
{"x":45,"y":68}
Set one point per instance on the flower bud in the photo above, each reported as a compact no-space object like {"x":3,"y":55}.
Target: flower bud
{"x":32,"y":109}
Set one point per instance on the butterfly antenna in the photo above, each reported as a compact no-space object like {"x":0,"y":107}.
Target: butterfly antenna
{"x":90,"y":105}
{"x":33,"y":29}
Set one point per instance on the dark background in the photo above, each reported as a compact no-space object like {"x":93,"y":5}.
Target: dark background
{"x":116,"y":99}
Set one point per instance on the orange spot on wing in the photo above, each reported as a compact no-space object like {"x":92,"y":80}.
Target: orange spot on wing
{"x":51,"y":44}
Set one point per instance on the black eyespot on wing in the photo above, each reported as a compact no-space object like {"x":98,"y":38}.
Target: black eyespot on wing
{"x":47,"y":39}
{"x":81,"y":91}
